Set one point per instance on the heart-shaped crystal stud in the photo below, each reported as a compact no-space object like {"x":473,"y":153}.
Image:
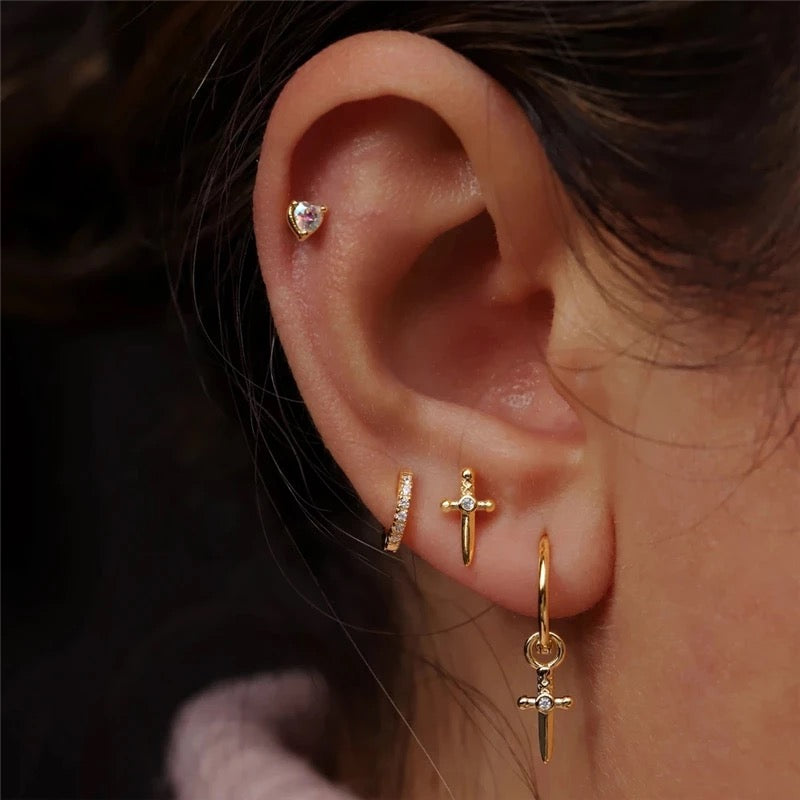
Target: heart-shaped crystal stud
{"x":305,"y":218}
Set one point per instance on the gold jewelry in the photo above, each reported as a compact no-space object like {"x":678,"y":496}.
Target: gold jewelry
{"x":540,"y":655}
{"x":304,"y":218}
{"x":468,"y":505}
{"x":392,"y":537}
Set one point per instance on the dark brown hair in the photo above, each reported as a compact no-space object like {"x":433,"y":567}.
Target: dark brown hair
{"x":131,"y":135}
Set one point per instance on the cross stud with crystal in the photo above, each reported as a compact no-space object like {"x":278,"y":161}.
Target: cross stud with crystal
{"x":467,"y":504}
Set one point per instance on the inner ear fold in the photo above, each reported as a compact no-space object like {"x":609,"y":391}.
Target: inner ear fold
{"x":446,"y":334}
{"x":346,"y":156}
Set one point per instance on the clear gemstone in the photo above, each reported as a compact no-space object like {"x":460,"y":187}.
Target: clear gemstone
{"x":544,"y":702}
{"x":307,"y":217}
{"x":467,"y":504}
{"x":402,"y":516}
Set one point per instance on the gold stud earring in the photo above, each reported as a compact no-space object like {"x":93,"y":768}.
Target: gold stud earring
{"x":467,"y":504}
{"x":305,"y":218}
{"x":393,"y":536}
{"x":545,"y":651}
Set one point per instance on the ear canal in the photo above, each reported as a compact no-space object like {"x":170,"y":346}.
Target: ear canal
{"x":494,"y":355}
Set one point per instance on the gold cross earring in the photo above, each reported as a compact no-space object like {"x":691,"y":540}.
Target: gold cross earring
{"x":544,"y":651}
{"x":467,"y":504}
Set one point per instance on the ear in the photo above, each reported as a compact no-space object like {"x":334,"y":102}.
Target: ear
{"x":418,"y":320}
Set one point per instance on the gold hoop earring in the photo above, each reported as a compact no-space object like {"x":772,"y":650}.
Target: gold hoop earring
{"x":467,"y":504}
{"x":539,"y":653}
{"x":305,"y":218}
{"x":393,"y":536}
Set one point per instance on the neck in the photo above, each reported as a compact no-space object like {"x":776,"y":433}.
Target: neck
{"x":468,"y":679}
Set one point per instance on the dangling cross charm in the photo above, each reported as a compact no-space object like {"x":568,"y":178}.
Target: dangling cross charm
{"x":545,"y":701}
{"x":467,"y":504}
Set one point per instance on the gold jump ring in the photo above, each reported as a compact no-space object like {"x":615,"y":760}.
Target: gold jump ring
{"x":534,"y":652}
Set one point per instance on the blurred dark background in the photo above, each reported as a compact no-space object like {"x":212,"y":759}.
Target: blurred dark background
{"x":131,"y":568}
{"x":136,"y":567}
{"x":132,"y":558}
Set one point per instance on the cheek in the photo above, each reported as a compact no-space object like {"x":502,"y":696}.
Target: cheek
{"x":689,"y":669}
{"x":702,"y":623}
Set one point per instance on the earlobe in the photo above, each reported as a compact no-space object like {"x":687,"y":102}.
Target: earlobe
{"x":417,"y":321}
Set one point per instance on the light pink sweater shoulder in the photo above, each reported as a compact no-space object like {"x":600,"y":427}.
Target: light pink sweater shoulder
{"x":249,"y":740}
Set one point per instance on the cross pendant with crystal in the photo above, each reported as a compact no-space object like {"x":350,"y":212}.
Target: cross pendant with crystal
{"x":467,"y":504}
{"x":545,"y":703}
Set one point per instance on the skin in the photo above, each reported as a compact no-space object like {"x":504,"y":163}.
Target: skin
{"x":439,"y":319}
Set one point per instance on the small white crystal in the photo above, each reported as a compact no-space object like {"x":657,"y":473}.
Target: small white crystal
{"x":544,"y":702}
{"x":467,"y":504}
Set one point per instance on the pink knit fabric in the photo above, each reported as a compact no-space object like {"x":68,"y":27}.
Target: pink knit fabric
{"x":243,"y":740}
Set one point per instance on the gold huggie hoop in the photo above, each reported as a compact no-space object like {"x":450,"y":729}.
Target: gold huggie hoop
{"x":393,"y":536}
{"x":467,"y":504}
{"x":544,"y":594}
{"x":539,"y":654}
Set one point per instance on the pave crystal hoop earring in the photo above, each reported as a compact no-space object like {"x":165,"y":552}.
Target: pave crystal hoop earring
{"x":393,"y":536}
{"x":545,"y":651}
{"x":305,"y":218}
